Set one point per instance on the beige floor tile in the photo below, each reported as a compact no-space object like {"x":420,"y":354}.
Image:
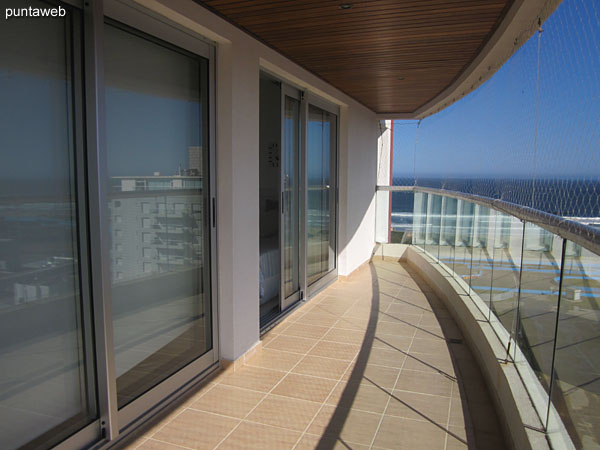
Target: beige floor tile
{"x":333,"y":299}
{"x":305,"y":387}
{"x":333,"y":306}
{"x":457,"y":433}
{"x":410,"y":318}
{"x":395,"y":329}
{"x":425,"y":362}
{"x":274,"y":359}
{"x":405,"y":317}
{"x":345,"y":336}
{"x":155,"y":424}
{"x":457,"y":413}
{"x":345,"y":424}
{"x":293,"y":344}
{"x":304,"y":330}
{"x":427,"y":333}
{"x":228,"y":400}
{"x":333,"y":309}
{"x":153,"y":444}
{"x":385,"y":357}
{"x":455,"y":444}
{"x":406,"y":434}
{"x":268,"y":337}
{"x":416,"y":406}
{"x":359,"y":396}
{"x":378,"y":376}
{"x":391,"y":342}
{"x":424,"y":382}
{"x":254,"y":378}
{"x":313,"y":442}
{"x":321,"y":367}
{"x":400,"y":308}
{"x":284,"y":412}
{"x":196,"y":429}
{"x":414,"y":296}
{"x":255,"y":436}
{"x":352,"y":323}
{"x":360,"y":311}
{"x":429,"y":320}
{"x":335,"y":350}
{"x":390,"y":289}
{"x":432,"y":346}
{"x":318,"y":318}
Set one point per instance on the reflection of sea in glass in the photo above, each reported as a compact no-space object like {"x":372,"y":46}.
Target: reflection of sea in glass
{"x":402,"y":216}
{"x":320,"y":193}
{"x":46,"y":388}
{"x":157,"y":167}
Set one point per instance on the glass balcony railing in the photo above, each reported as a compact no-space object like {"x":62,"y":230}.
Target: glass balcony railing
{"x":535,"y":277}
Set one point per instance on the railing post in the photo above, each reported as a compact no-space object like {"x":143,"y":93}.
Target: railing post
{"x":560,"y":285}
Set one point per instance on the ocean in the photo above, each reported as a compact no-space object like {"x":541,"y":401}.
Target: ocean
{"x":574,"y":198}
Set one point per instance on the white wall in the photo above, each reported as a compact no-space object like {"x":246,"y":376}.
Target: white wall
{"x":239,"y":60}
{"x":358,"y":173}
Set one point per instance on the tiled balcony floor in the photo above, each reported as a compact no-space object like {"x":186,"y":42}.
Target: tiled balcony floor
{"x":372,"y":362}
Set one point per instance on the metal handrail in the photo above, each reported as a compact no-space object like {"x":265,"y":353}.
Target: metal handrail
{"x":581,"y":234}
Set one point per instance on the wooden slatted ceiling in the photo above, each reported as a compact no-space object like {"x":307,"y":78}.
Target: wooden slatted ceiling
{"x":363,"y":51}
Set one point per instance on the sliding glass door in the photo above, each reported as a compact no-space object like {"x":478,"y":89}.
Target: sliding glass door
{"x":290,"y":197}
{"x":158,"y":201}
{"x":47,"y":372}
{"x":321,"y":204}
{"x":298,"y":173}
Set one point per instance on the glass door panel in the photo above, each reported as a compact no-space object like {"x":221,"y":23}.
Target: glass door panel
{"x":47,"y":385}
{"x":321,"y":193}
{"x":290,"y":200}
{"x":157,"y":155}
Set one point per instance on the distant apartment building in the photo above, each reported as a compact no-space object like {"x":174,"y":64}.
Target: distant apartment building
{"x":156,"y":224}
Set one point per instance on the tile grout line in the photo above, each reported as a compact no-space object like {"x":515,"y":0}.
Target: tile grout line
{"x":167,"y":422}
{"x":449,"y":413}
{"x":324,"y":403}
{"x":392,"y":390}
{"x":308,"y":401}
{"x":325,"y":313}
{"x":166,"y":442}
{"x":144,"y":439}
{"x":271,"y":390}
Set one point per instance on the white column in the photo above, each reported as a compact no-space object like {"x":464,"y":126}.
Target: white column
{"x":384,"y":162}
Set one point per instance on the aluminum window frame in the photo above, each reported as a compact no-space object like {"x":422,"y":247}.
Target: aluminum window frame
{"x":327,"y":279}
{"x":92,"y":195}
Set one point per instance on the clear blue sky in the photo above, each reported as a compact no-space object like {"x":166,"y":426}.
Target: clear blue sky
{"x":491,"y":132}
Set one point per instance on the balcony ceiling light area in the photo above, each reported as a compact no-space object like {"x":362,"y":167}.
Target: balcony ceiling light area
{"x":392,"y":56}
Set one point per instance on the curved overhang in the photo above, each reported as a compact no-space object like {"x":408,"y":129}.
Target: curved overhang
{"x":402,"y":60}
{"x":524,"y":18}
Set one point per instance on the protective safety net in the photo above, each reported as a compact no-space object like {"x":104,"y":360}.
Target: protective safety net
{"x":530,"y":135}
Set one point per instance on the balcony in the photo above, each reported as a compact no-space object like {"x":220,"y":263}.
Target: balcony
{"x":372,"y":362}
{"x":266,"y":290}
